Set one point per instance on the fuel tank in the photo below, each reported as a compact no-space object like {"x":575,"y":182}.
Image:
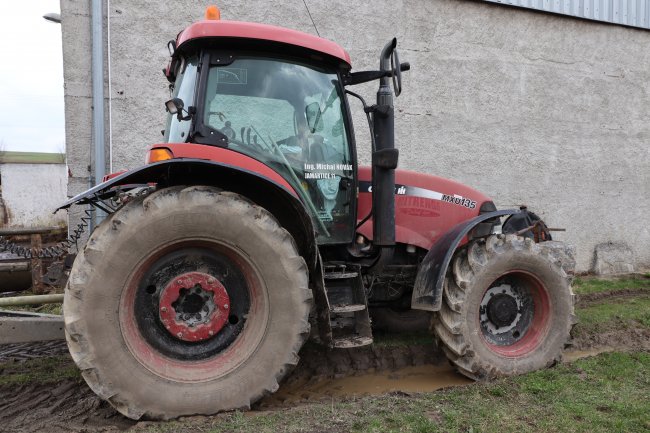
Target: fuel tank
{"x":426,"y":206}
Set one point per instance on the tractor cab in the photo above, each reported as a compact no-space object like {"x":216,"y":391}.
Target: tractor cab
{"x":277,"y":96}
{"x":283,"y":111}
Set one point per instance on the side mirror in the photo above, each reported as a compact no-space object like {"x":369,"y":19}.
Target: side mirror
{"x":396,"y":67}
{"x":314,"y":117}
{"x":176,"y":106}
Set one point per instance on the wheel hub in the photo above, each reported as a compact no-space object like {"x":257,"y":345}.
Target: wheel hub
{"x":194,"y":306}
{"x":502,"y":309}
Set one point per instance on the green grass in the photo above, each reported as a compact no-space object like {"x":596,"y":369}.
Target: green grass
{"x":587,"y":285}
{"x":601,"y":394}
{"x":44,"y":308}
{"x":38,"y":370}
{"x":621,"y":313}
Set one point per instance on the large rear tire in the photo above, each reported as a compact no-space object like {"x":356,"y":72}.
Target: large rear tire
{"x":188,"y":301}
{"x":507,"y":308}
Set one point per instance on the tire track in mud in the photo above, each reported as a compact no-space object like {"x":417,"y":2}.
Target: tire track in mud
{"x":588,"y":299}
{"x":39,"y":349}
{"x":70,"y":406}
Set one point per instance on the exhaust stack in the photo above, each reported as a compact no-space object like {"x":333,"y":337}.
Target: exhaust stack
{"x":384,"y":156}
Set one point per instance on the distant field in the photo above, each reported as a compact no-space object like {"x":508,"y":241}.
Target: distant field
{"x":11,"y":157}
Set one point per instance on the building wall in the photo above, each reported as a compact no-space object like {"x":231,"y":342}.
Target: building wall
{"x":528,"y":107}
{"x":31,"y":192}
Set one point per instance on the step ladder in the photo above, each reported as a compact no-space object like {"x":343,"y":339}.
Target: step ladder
{"x":348,"y":306}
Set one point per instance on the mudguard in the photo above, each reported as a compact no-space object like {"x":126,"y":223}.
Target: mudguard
{"x":427,"y":292}
{"x":267,"y":189}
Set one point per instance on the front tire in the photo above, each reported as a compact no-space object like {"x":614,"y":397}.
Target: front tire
{"x":188,"y":301}
{"x":507,"y":308}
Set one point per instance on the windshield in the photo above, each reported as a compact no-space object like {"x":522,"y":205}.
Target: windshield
{"x":289,"y":116}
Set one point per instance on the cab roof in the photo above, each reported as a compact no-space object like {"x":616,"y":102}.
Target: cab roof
{"x":262,"y":32}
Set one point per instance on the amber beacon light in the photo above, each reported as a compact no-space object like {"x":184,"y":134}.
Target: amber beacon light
{"x":212,"y":13}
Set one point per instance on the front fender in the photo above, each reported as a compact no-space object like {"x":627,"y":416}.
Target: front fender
{"x":427,"y":292}
{"x":174,"y":172}
{"x":260,"y":184}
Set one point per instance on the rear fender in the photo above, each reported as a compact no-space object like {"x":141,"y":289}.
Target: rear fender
{"x":263,"y":186}
{"x":427,"y":292}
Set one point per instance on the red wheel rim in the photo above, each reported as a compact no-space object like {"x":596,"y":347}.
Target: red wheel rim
{"x":539,"y":324}
{"x":218,"y":365}
{"x":196,"y":325}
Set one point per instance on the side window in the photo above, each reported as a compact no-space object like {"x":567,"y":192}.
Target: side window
{"x":178,"y":130}
{"x":328,"y":162}
{"x":290,"y":117}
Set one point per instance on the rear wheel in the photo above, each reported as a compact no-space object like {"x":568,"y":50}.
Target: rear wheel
{"x":189,"y":301}
{"x":507,"y":308}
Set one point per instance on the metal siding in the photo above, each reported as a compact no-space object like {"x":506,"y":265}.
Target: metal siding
{"x":635,"y":13}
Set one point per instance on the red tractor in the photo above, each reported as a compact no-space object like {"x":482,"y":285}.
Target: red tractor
{"x":252,"y":224}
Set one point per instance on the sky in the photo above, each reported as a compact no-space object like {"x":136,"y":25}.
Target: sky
{"x":31,"y":78}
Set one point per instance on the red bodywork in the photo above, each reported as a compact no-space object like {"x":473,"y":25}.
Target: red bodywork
{"x":262,"y":32}
{"x":421,"y":213}
{"x":421,"y":220}
{"x":226,"y":156}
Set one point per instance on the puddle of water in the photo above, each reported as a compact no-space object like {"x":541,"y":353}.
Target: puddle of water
{"x":574,"y":355}
{"x":423,"y":378}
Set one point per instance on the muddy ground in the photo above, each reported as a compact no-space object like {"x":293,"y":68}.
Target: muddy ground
{"x":65,"y":404}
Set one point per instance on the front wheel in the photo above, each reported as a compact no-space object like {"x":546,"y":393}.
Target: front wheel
{"x":188,"y":301}
{"x":507,"y":308}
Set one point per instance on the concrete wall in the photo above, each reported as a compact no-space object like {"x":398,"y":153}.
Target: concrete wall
{"x":528,"y":107}
{"x":30,"y":192}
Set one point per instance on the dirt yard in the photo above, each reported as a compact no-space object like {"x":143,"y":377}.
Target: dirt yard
{"x":41,"y":389}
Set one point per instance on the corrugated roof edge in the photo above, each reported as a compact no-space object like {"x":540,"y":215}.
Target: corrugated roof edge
{"x":629,"y":13}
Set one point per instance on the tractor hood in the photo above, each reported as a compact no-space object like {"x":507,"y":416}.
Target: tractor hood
{"x":426,"y":206}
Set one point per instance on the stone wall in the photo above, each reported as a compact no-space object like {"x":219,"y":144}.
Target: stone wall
{"x":528,"y":107}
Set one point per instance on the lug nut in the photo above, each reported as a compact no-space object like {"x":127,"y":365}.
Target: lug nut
{"x":179,"y":335}
{"x":211,"y":332}
{"x":163,"y":309}
{"x":225,"y":306}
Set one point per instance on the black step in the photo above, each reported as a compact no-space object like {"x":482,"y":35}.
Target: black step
{"x":347,"y":308}
{"x":350,"y":321}
{"x":353,"y":341}
{"x":340,"y":275}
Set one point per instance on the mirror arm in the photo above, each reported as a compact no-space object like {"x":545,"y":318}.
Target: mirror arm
{"x":362,"y":77}
{"x":366,"y":76}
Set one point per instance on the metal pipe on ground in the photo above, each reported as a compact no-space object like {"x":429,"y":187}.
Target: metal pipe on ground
{"x":31,"y":300}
